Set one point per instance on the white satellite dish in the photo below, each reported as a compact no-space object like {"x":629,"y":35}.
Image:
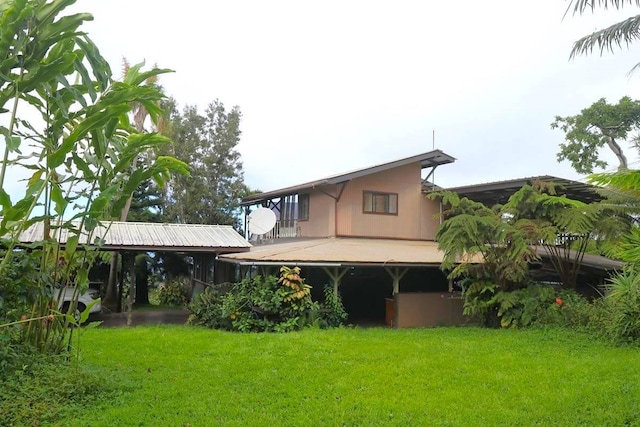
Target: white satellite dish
{"x":261,"y":221}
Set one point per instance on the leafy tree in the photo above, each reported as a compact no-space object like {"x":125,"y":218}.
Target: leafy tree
{"x":596,"y":126}
{"x":78,"y":150}
{"x":614,"y":36}
{"x":139,"y":114}
{"x":492,"y":247}
{"x":208,"y":144}
{"x":483,"y":243}
{"x":564,"y":227}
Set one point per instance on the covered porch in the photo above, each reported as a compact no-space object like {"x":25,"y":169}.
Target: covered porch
{"x":389,"y":282}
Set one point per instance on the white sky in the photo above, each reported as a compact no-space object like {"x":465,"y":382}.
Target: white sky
{"x":326,"y":87}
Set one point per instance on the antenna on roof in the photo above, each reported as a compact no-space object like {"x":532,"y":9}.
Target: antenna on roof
{"x":433,"y":146}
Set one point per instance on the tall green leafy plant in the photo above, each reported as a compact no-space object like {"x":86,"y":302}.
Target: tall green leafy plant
{"x":624,"y":302}
{"x":492,"y":247}
{"x":78,"y":150}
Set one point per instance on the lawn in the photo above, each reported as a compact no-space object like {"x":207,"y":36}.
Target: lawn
{"x":178,"y":376}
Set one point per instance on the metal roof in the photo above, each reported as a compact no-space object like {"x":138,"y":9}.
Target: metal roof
{"x":588,"y":260}
{"x":146,"y":236}
{"x":491,"y":193}
{"x":339,"y":251}
{"x":351,"y":251}
{"x":429,"y":159}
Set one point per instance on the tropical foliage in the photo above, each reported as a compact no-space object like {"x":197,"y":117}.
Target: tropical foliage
{"x":599,"y":125}
{"x":173,"y":293}
{"x":616,"y":36}
{"x":66,"y":125}
{"x":208,"y":143}
{"x":492,"y":249}
{"x":266,"y":304}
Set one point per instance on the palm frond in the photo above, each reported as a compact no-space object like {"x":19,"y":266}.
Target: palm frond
{"x":615,"y":36}
{"x":580,"y":6}
{"x":624,"y":180}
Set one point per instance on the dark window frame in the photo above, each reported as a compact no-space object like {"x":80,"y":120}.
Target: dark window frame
{"x":374,"y":194}
{"x":308,"y":204}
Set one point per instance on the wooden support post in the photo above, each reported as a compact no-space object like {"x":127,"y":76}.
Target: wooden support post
{"x":120,"y":282}
{"x":132,"y":287}
{"x":397,"y":275}
{"x":335,"y":275}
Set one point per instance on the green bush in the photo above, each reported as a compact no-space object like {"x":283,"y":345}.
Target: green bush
{"x":623,"y":300}
{"x":206,"y":307}
{"x":20,"y":286}
{"x":537,"y":305}
{"x":264,"y":304}
{"x":44,"y":388}
{"x":479,"y":301}
{"x":524,"y":307}
{"x":332,"y":313}
{"x":173,"y":294}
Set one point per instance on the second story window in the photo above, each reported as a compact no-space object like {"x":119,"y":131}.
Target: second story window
{"x":380,"y":203}
{"x":303,"y":207}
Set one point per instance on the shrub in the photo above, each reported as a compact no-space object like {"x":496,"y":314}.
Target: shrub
{"x":206,"y":307}
{"x":173,"y":294}
{"x":479,"y":301}
{"x":43,"y":388}
{"x":261,"y":304}
{"x":623,"y":299}
{"x":524,"y":307}
{"x":332,"y":313}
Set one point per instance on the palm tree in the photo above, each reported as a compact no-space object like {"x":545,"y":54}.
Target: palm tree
{"x":139,"y":113}
{"x":610,"y":38}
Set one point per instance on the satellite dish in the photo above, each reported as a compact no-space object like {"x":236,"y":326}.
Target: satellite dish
{"x":261,"y":221}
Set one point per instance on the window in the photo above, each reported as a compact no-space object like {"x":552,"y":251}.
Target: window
{"x":303,"y":207}
{"x":380,"y":203}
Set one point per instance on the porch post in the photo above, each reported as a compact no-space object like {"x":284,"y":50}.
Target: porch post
{"x":132,"y":288}
{"x":397,"y":275}
{"x":335,"y":275}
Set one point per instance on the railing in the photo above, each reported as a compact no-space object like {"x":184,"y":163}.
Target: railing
{"x":281,"y":230}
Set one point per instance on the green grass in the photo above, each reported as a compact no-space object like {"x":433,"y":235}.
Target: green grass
{"x":176,"y":376}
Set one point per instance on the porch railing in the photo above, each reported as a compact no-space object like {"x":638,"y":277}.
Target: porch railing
{"x":282,"y":229}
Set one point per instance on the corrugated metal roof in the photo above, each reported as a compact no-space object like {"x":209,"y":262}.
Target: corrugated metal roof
{"x":343,"y":251}
{"x":500,"y":191}
{"x":429,"y":159}
{"x":154,"y":236}
{"x":589,"y":260}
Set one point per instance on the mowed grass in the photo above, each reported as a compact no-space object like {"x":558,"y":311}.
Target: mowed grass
{"x":178,"y":376}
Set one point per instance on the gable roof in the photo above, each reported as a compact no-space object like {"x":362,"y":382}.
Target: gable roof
{"x":491,"y":193}
{"x":145,"y":236}
{"x":429,"y":159}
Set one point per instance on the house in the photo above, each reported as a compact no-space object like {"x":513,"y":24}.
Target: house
{"x":370,"y":234}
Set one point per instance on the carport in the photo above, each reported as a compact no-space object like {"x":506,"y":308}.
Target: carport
{"x":204,"y":243}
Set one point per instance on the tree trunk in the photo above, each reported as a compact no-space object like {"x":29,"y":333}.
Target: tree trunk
{"x":132,"y":289}
{"x":110,"y":297}
{"x":142,"y":282}
{"x":615,"y":147}
{"x":139,"y":117}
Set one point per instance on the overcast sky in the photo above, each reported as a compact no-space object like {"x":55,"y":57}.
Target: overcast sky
{"x":327,"y":87}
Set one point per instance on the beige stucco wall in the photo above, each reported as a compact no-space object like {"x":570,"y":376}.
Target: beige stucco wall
{"x":415,"y":218}
{"x":405,"y":181}
{"x":428,"y":309}
{"x":321,"y":215}
{"x":428,"y":223}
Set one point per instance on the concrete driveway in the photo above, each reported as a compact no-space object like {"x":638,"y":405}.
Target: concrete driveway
{"x":143,"y":317}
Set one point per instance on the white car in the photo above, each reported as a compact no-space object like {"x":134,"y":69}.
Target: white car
{"x":66,"y":295}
